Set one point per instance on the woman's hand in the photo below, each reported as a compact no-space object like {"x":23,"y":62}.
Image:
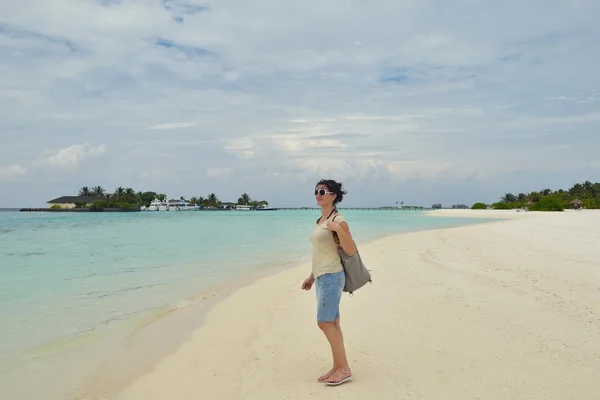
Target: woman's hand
{"x":333,"y":226}
{"x":308,"y":282}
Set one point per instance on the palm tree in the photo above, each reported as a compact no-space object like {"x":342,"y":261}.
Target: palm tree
{"x":213,"y":200}
{"x":84,"y":191}
{"x":244,"y":199}
{"x":119,"y":192}
{"x":508,"y":198}
{"x":522,"y":197}
{"x":576,"y":190}
{"x":534,"y":197}
{"x":589,"y":188}
{"x":98,"y":191}
{"x":130,"y":194}
{"x":596,"y":190}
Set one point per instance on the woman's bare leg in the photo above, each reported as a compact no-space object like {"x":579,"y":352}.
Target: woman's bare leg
{"x":333,"y":332}
{"x":334,"y":368}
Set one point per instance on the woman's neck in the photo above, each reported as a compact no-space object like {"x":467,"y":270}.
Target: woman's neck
{"x":326,"y":211}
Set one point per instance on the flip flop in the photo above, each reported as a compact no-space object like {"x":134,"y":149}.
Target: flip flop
{"x":346,"y":379}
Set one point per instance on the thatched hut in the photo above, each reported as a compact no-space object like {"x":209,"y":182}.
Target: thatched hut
{"x":577,"y":204}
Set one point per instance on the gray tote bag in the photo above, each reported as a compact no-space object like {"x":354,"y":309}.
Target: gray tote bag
{"x":357,"y":275}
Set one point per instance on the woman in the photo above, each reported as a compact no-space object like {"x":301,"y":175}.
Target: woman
{"x":328,"y":275}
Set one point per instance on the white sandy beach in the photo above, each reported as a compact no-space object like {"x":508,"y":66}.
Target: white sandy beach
{"x":502,"y":310}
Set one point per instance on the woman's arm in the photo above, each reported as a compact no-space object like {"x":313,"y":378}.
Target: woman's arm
{"x":343,"y":232}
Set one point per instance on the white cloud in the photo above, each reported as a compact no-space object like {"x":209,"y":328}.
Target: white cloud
{"x":157,"y":174}
{"x":402,"y":93}
{"x":243,"y":147}
{"x":73,"y":155}
{"x":430,"y":171}
{"x":12,"y":172}
{"x":295,"y":146}
{"x":173,"y":125}
{"x":589,"y":118}
{"x":218,"y":172}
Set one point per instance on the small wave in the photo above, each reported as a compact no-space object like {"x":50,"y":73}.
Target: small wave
{"x":118,"y":292}
{"x":121,"y":317}
{"x":30,"y":254}
{"x":90,"y":275}
{"x":33,"y":253}
{"x":96,"y":274}
{"x":184,"y":304}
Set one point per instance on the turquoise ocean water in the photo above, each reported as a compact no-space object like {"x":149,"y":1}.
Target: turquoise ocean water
{"x":63,"y":275}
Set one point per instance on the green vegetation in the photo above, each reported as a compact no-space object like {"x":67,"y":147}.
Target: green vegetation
{"x":213,"y":201}
{"x":247,"y":201}
{"x":547,"y":204}
{"x":479,"y":206}
{"x":129,"y":199}
{"x":580,"y":195}
{"x":95,"y":191}
{"x":121,"y":198}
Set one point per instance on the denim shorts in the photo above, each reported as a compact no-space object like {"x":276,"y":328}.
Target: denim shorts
{"x":329,"y":288}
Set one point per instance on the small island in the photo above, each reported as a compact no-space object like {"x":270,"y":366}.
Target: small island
{"x":97,"y":199}
{"x":584,"y":195}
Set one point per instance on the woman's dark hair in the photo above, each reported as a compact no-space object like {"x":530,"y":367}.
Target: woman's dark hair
{"x":334,"y":187}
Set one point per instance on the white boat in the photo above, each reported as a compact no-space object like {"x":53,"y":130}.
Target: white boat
{"x":266,"y":208}
{"x":157,"y":205}
{"x":171,"y":205}
{"x":182,"y":205}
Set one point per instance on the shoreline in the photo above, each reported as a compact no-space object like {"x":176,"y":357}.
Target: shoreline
{"x":489,"y":214}
{"x":263,"y":320}
{"x":115,"y":373}
{"x":119,"y":354}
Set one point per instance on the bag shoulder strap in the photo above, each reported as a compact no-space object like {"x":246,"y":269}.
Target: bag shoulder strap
{"x":335,"y":235}
{"x":332,"y":211}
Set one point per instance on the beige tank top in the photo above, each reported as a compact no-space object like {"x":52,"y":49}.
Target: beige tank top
{"x":325,"y":258}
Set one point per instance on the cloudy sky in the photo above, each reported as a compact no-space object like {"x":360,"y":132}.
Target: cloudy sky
{"x":419,"y":101}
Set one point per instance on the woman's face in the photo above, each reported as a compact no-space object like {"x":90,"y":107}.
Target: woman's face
{"x":323,"y":196}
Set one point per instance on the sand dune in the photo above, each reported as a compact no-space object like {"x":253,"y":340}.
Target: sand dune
{"x":502,"y":310}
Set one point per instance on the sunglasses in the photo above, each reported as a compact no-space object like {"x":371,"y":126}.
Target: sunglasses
{"x":322,"y":192}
